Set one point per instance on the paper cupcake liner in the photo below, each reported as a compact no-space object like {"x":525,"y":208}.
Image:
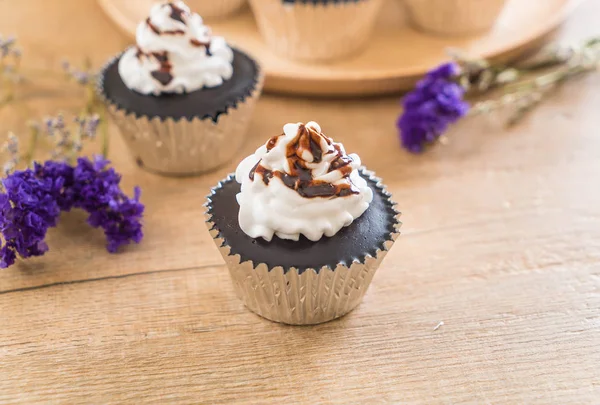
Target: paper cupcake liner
{"x":455,"y":17}
{"x":181,"y":146}
{"x":316,"y":31}
{"x":215,"y":8}
{"x":305,"y":297}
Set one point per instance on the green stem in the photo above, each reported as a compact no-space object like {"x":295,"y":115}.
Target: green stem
{"x":550,"y":78}
{"x":9,"y":93}
{"x":104,"y":131}
{"x":5,"y":101}
{"x":541,"y":81}
{"x":592,"y":42}
{"x":90,"y":99}
{"x":34,"y":135}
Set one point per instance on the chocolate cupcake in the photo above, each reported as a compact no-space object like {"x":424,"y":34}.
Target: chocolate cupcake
{"x":181,"y":97}
{"x":302,"y":227}
{"x":316,"y":30}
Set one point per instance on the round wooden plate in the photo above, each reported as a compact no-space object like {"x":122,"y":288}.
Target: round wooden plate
{"x":398,"y":54}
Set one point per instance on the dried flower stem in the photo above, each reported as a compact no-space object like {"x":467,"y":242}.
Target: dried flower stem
{"x":104,"y":132}
{"x":93,"y":105}
{"x":90,"y":99}
{"x":10,"y":62}
{"x":9,"y":88}
{"x":69,"y":141}
{"x":34,"y":135}
{"x":11,"y":147}
{"x":528,"y":93}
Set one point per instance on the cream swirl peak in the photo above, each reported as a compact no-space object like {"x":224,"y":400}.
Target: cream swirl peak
{"x":300,"y":183}
{"x":175,"y":53}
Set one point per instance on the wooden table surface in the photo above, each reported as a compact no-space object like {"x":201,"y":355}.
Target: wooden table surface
{"x":501,"y":242}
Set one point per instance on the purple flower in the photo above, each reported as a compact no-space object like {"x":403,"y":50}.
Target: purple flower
{"x":98,"y":192}
{"x":34,"y":198}
{"x":120,"y":220}
{"x":7,"y":256}
{"x":436,"y":102}
{"x":61,"y":176}
{"x":27,"y":209}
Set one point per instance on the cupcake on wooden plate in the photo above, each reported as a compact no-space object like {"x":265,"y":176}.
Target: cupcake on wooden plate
{"x":316,"y":29}
{"x":302,"y":227}
{"x":181,"y":96}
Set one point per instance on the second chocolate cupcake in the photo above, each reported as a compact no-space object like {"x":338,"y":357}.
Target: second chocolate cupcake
{"x":182,"y":97}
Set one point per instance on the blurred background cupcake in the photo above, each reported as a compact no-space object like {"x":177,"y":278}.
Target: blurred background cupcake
{"x":316,"y":29}
{"x":181,"y":97}
{"x":454,"y":17}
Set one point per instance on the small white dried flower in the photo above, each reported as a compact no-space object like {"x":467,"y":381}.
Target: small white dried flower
{"x":507,"y":76}
{"x":8,"y":167}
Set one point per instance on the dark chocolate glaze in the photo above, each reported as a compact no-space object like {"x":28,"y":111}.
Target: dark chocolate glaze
{"x":204,"y":103}
{"x":365,"y":235}
{"x":300,"y":179}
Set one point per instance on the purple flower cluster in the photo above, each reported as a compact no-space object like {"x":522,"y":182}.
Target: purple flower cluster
{"x":34,"y":198}
{"x":27,"y":209}
{"x":80,"y":76}
{"x":68,"y":141}
{"x":96,"y":190}
{"x":436,"y":102}
{"x":7,"y":47}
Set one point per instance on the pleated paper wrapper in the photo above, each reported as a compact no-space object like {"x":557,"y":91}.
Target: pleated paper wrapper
{"x":184,"y":147}
{"x":307,"y":297}
{"x":316,"y":31}
{"x":455,"y":17}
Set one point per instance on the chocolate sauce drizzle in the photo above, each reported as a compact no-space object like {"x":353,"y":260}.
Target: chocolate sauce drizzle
{"x":157,"y":31}
{"x":177,"y":13}
{"x":198,"y":43}
{"x":300,"y":179}
{"x":164,"y":74}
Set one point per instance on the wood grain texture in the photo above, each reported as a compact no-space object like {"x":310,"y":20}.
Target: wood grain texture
{"x":501,"y":242}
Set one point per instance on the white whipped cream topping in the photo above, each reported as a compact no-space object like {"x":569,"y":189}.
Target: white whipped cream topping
{"x":278,"y":209}
{"x":175,"y":53}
